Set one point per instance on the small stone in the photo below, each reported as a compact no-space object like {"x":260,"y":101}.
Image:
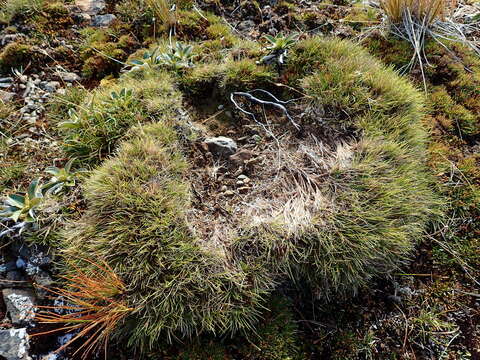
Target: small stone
{"x":68,"y":76}
{"x":20,"y":263}
{"x":223,"y":188}
{"x":103,"y":20}
{"x":229,"y":193}
{"x":20,"y":305}
{"x":91,"y":7}
{"x":14,"y":344}
{"x":51,"y":86}
{"x":221,"y":146}
{"x":246,"y":25}
{"x":81,"y":18}
{"x":239,"y":183}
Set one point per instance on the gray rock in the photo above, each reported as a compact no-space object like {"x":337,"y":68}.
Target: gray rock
{"x":81,"y":18}
{"x":20,"y":305}
{"x":103,"y":20}
{"x":51,"y":86}
{"x":91,"y":7}
{"x":8,"y":38}
{"x":39,"y":258}
{"x":246,"y":25}
{"x":14,"y":344}
{"x":6,"y":96}
{"x":221,"y":146}
{"x":68,"y":76}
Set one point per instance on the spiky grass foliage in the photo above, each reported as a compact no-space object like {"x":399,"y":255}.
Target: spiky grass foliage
{"x":164,"y":11}
{"x":367,"y":215}
{"x":92,"y":131}
{"x":92,"y":307}
{"x":136,"y":220}
{"x":419,"y":21}
{"x":361,"y":220}
{"x":430,"y":10}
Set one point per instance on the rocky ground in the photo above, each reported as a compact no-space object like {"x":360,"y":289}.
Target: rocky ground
{"x":429,"y":310}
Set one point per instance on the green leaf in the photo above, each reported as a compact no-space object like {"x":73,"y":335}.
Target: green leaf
{"x":16,"y":215}
{"x":270,"y":38}
{"x":68,"y":165}
{"x":33,"y":188}
{"x":53,"y":170}
{"x":16,"y":200}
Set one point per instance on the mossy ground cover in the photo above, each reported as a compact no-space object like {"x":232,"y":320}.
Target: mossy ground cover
{"x":370,"y":110}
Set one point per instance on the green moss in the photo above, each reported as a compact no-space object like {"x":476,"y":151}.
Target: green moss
{"x":103,"y":53}
{"x":386,"y":198}
{"x":193,"y":25}
{"x":244,"y":74}
{"x":453,"y":116}
{"x":15,"y":55}
{"x":12,"y":9}
{"x":55,"y":9}
{"x":212,"y":350}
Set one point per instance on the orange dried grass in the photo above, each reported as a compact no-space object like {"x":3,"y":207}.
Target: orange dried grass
{"x":428,"y":10}
{"x":94,"y":307}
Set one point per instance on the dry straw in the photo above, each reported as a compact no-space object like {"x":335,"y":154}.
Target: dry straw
{"x":93,"y":307}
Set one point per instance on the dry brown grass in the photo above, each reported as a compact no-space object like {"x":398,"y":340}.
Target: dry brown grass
{"x":93,"y":307}
{"x":162,"y":11}
{"x":428,"y":10}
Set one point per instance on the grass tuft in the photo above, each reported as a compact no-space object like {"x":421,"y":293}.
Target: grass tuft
{"x":93,"y":307}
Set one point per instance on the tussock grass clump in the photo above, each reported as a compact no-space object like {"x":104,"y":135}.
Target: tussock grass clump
{"x":356,"y":207}
{"x":92,"y":131}
{"x":332,"y":202}
{"x":136,"y":220}
{"x":420,"y":9}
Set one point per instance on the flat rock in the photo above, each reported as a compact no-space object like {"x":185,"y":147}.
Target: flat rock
{"x":68,"y":76}
{"x":221,"y":146}
{"x":103,"y":20}
{"x":91,"y":7}
{"x":20,"y":305}
{"x":14,"y":344}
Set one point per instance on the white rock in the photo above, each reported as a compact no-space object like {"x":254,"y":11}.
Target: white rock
{"x":91,"y":7}
{"x":20,"y":305}
{"x":14,"y":344}
{"x":103,"y":20}
{"x":68,"y":76}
